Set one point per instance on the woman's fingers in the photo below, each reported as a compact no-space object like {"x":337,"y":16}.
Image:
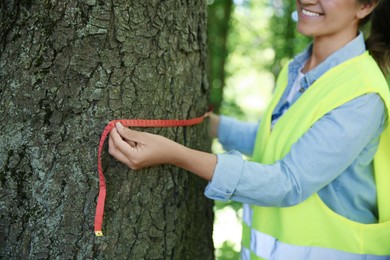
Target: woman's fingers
{"x":127,"y":148}
{"x":115,"y":143}
{"x":127,"y":134}
{"x":138,"y":149}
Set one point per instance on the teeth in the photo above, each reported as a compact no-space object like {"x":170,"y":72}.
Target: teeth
{"x":308,"y":13}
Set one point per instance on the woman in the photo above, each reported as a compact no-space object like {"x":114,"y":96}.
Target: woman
{"x":317,"y":185}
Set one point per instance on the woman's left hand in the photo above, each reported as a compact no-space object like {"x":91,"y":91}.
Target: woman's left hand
{"x":139,"y":149}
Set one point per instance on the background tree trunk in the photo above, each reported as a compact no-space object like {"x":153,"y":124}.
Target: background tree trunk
{"x":68,"y":67}
{"x":219,"y":16}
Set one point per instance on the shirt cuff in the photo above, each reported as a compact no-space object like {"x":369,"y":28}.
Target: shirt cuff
{"x":226,"y":176}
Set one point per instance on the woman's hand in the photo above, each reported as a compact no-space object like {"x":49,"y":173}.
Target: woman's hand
{"x":139,"y":150}
{"x":213,"y":124}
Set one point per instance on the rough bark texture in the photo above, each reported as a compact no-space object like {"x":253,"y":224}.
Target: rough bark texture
{"x":68,"y":67}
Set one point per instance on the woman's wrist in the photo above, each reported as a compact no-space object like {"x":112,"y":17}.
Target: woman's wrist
{"x":214,"y":124}
{"x":200,"y":163}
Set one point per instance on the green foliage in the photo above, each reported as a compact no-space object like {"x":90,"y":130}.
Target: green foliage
{"x":285,"y":40}
{"x":226,"y":252}
{"x":226,"y":211}
{"x":250,"y":54}
{"x":233,"y":204}
{"x":219,"y":12}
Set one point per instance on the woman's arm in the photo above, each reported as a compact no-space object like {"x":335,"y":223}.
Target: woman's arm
{"x":139,"y":150}
{"x":234,"y":134}
{"x":214,"y":124}
{"x":324,"y":152}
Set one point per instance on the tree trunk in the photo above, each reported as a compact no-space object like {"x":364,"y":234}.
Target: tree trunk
{"x":67,"y":68}
{"x":219,"y":13}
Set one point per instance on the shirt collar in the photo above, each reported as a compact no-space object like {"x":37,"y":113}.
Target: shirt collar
{"x":352,"y":49}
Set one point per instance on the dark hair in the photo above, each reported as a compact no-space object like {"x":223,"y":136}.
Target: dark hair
{"x":378,"y":42}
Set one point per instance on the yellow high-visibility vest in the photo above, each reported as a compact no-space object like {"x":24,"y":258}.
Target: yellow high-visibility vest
{"x":311,"y":230}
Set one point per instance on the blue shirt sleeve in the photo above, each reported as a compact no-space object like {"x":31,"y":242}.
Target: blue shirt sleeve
{"x":317,"y":158}
{"x":237,"y":135}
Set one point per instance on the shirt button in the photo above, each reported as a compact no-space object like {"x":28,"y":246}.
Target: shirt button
{"x":301,"y":90}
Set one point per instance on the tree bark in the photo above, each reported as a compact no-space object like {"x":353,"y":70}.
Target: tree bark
{"x":68,"y":67}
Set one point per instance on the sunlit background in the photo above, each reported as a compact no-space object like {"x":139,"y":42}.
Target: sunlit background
{"x":249,"y":41}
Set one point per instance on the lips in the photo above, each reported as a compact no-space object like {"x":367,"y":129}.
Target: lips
{"x":310,"y":13}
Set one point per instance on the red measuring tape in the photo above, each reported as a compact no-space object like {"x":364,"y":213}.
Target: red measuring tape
{"x":127,"y":123}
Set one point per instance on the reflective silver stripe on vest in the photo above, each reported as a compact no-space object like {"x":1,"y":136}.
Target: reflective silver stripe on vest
{"x":245,"y":253}
{"x":267,"y":247}
{"x":247,"y":213}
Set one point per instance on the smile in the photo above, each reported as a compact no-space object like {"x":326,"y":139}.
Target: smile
{"x":310,"y":13}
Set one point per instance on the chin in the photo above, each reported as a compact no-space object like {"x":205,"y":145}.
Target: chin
{"x":304,"y":32}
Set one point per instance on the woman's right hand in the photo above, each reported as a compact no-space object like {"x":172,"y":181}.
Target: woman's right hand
{"x":213,"y":125}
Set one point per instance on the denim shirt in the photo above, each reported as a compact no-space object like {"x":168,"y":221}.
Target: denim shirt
{"x":333,"y":158}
